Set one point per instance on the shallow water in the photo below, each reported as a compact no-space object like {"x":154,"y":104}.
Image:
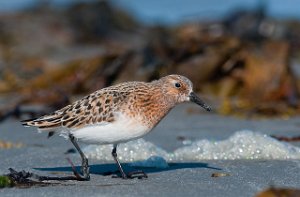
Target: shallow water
{"x":241,"y":145}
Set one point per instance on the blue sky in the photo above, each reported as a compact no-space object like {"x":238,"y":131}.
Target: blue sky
{"x":172,"y":11}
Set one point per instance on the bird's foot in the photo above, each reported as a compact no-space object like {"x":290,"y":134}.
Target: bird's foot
{"x":131,"y":175}
{"x":85,"y":177}
{"x":137,"y":174}
{"x":85,"y":170}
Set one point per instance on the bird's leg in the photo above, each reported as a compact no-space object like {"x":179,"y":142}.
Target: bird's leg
{"x":115,"y":156}
{"x":136,"y":174}
{"x":85,"y":169}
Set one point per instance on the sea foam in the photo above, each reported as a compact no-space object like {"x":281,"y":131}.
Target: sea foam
{"x":241,"y":145}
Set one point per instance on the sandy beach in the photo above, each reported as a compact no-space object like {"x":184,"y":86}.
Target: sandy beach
{"x":47,"y":157}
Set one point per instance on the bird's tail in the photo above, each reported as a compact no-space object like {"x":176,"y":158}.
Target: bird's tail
{"x":44,"y":123}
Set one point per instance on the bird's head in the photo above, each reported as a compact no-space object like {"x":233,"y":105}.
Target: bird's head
{"x":180,"y":89}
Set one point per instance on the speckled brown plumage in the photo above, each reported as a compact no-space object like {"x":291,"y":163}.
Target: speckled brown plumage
{"x":147,"y":103}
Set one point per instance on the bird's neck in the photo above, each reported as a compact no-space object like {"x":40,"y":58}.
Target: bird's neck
{"x":158,"y":106}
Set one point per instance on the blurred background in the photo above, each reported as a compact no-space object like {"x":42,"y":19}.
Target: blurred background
{"x":243,"y":56}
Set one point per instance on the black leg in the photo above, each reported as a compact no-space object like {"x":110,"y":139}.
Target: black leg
{"x":115,"y":156}
{"x":85,"y":165}
{"x":136,"y":174}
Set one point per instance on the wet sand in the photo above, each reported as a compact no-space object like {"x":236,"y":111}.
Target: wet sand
{"x":246,"y":177}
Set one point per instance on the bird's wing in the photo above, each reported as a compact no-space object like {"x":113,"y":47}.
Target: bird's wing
{"x":98,"y":107}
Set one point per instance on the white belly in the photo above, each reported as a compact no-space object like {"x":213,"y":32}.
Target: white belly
{"x":121,"y":130}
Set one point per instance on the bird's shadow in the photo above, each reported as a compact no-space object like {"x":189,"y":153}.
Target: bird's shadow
{"x":111,"y":168}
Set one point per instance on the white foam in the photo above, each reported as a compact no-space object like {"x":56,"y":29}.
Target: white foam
{"x":241,"y":145}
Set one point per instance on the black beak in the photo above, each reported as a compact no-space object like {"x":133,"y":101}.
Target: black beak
{"x":194,"y":98}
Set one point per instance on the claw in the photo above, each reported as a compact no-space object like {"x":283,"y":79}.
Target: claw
{"x":131,"y":175}
{"x":137,"y":174}
{"x":76,"y":174}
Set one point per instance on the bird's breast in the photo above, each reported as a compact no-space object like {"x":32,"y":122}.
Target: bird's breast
{"x":148,"y":112}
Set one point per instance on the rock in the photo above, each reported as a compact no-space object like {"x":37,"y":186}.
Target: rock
{"x":202,"y":67}
{"x":279,"y":192}
{"x":96,"y":21}
{"x":265,"y":72}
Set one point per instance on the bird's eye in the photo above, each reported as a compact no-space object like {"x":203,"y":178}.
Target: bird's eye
{"x":177,"y":85}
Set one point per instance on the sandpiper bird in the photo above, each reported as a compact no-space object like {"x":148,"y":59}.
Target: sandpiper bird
{"x":117,"y":114}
